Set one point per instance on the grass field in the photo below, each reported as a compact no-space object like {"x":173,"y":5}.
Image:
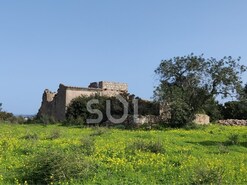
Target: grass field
{"x":36,"y":154}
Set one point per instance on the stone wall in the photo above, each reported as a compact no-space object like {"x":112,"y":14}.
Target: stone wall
{"x":201,"y":119}
{"x":233,"y":122}
{"x":72,"y":93}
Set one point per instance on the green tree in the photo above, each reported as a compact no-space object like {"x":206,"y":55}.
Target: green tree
{"x":213,"y":109}
{"x":188,"y":83}
{"x":235,"y":110}
{"x":243,"y":93}
{"x":1,"y":107}
{"x":77,"y":112}
{"x":77,"y":109}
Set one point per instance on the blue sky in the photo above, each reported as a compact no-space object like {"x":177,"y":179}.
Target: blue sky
{"x":44,"y":43}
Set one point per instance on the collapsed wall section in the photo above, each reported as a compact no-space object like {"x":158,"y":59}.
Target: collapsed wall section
{"x":53,"y":104}
{"x":47,"y":103}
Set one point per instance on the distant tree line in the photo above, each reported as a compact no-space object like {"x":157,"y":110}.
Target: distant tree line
{"x":9,"y":117}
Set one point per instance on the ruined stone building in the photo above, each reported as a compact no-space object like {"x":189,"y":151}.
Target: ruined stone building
{"x":55,"y":104}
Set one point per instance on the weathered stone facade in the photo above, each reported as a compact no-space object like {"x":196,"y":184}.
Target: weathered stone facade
{"x":55,"y":104}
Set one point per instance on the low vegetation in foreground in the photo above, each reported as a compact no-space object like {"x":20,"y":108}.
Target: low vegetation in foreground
{"x":53,"y":154}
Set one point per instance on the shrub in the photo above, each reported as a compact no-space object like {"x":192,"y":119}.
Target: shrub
{"x":44,"y":119}
{"x":233,"y":139}
{"x":146,"y":126}
{"x":213,"y":109}
{"x":119,"y":126}
{"x":20,"y":119}
{"x":99,"y":131}
{"x":181,"y":114}
{"x":30,"y":136}
{"x":75,"y":121}
{"x":5,"y":116}
{"x":193,"y":126}
{"x":55,"y":134}
{"x":148,"y":107}
{"x":223,"y":149}
{"x":206,"y":175}
{"x":54,"y":166}
{"x":235,"y":110}
{"x":155,"y":147}
{"x":88,"y":145}
{"x":151,"y":146}
{"x":245,"y":136}
{"x":77,"y":110}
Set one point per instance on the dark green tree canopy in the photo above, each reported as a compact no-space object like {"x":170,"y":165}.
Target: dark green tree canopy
{"x":243,"y":93}
{"x":78,"y":107}
{"x":235,"y":110}
{"x":216,"y":77}
{"x":188,"y":83}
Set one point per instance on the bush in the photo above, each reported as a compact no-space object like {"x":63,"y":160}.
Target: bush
{"x":54,"y":166}
{"x":55,"y":134}
{"x":44,"y":119}
{"x":151,"y":146}
{"x":213,"y":109}
{"x":77,"y":113}
{"x":30,"y":137}
{"x":223,"y":149}
{"x":99,"y":131}
{"x":78,"y":108}
{"x":5,"y":116}
{"x":181,"y":114}
{"x":233,"y":139}
{"x":88,"y":145}
{"x":119,"y":126}
{"x":205,"y":175}
{"x":193,"y":126}
{"x":20,"y":119}
{"x":235,"y":110}
{"x":148,"y":107}
{"x":79,"y":121}
{"x":146,"y":126}
{"x":9,"y":117}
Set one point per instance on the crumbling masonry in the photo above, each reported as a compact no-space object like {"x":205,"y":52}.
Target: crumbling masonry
{"x":55,"y":104}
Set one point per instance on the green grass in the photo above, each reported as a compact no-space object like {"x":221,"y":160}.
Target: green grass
{"x":35,"y":154}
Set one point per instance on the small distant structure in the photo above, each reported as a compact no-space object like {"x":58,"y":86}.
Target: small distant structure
{"x":54,"y":104}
